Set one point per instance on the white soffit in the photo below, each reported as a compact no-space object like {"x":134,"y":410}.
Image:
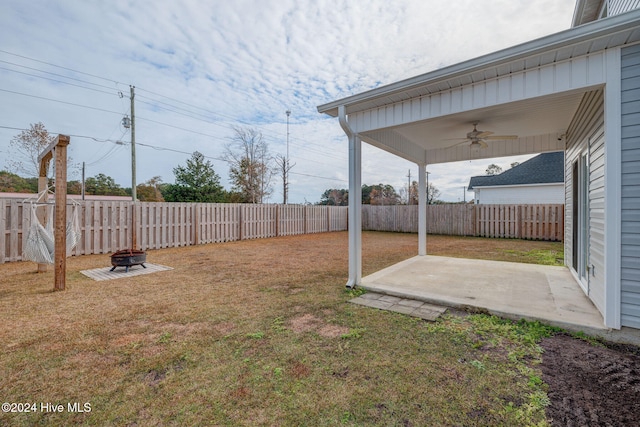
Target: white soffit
{"x":544,"y":115}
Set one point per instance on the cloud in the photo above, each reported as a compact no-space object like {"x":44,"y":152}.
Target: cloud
{"x":202,"y":67}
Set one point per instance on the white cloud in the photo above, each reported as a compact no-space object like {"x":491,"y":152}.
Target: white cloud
{"x":225,"y":63}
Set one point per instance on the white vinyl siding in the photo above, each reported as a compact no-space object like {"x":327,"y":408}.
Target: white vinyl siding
{"x":630,"y":261}
{"x":586,"y":134}
{"x":520,"y":194}
{"x":616,"y":7}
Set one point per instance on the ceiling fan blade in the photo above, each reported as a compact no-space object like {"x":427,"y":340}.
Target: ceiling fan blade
{"x":497,"y":137}
{"x":483,"y":134}
{"x":460,"y":142}
{"x":483,"y":144}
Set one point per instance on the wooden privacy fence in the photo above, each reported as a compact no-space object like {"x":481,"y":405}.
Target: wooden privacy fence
{"x":538,"y":222}
{"x":105,"y":225}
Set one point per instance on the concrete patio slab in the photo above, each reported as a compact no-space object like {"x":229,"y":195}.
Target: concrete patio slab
{"x":512,"y":290}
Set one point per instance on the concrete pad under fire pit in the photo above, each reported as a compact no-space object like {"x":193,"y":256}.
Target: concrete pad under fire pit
{"x":104,"y":273}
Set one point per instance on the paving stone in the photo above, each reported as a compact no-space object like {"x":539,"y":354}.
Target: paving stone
{"x":434,"y":307}
{"x":370,"y":295}
{"x":404,"y":309}
{"x":400,"y":305}
{"x":383,"y":305}
{"x":390,"y":298}
{"x":427,"y":314}
{"x":411,"y":303}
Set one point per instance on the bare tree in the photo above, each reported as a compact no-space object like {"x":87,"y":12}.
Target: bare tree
{"x":432,"y":193}
{"x":283,"y":167}
{"x":249,"y":165}
{"x":26,"y":147}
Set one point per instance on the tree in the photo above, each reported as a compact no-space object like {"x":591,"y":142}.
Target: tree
{"x":150,"y":190}
{"x":103,"y":185}
{"x":12,"y":183}
{"x":195,"y":182}
{"x":493,"y":169}
{"x":383,"y":194}
{"x":250,"y":168}
{"x":514,"y":164}
{"x":26,"y":147}
{"x":74,"y":187}
{"x":335,"y":197}
{"x":283,"y":167}
{"x":432,"y":193}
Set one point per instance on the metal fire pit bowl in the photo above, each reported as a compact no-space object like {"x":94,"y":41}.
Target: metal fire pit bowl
{"x":127,"y":258}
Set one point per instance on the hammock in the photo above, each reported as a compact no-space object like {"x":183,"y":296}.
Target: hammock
{"x":40,"y":240}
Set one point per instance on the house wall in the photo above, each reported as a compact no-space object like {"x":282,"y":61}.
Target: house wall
{"x":586,"y":133}
{"x":616,"y":7}
{"x":521,"y":194}
{"x":630,"y":264}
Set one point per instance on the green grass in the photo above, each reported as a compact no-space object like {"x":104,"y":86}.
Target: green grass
{"x":257,"y":333}
{"x":537,"y":256}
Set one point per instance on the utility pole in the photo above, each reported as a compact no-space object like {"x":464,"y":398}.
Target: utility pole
{"x":82,"y":180}
{"x":133,"y":145}
{"x":427,"y":172}
{"x":134,"y":225}
{"x":286,"y":169}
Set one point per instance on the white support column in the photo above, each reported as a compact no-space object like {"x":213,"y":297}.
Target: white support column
{"x":422,"y":209}
{"x":613,"y":189}
{"x":355,"y":202}
{"x":355,"y":212}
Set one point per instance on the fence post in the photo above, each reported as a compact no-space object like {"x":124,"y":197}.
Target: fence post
{"x":304,"y":218}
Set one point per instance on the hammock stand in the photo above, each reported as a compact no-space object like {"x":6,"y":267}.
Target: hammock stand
{"x":59,"y":147}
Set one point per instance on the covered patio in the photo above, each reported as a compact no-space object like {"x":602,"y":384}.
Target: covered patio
{"x":558,"y":93}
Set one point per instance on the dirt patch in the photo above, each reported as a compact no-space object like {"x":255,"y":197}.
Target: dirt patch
{"x":305,"y":323}
{"x":309,"y":322}
{"x":591,"y":385}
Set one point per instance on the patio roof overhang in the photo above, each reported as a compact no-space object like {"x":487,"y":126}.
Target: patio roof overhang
{"x":531,"y":90}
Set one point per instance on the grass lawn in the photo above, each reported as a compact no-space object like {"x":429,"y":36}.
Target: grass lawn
{"x":260,"y":333}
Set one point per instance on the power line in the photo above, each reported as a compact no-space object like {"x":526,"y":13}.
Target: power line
{"x":59,"y":66}
{"x":61,"y":102}
{"x":316,"y":176}
{"x":190,"y":115}
{"x":159,"y":148}
{"x":58,"y":81}
{"x":306,"y":143}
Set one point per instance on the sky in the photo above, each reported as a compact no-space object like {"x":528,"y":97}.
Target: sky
{"x":201,"y":68}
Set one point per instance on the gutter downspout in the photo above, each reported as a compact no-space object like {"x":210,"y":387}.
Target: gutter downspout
{"x":355,"y":201}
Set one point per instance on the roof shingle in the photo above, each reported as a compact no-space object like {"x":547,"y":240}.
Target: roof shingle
{"x":546,"y":168}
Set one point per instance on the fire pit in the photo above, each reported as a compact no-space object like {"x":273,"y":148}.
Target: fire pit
{"x":127,"y":258}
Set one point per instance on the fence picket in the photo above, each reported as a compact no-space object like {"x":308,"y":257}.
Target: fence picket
{"x":106,"y":225}
{"x":540,"y":222}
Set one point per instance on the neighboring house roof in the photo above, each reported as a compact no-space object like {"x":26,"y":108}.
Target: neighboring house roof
{"x":546,"y":168}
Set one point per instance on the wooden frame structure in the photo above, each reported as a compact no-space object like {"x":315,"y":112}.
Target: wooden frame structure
{"x":59,"y":147}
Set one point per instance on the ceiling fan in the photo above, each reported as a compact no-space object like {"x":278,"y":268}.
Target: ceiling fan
{"x":478,"y":138}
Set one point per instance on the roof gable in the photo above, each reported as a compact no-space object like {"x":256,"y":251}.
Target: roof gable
{"x":546,"y":168}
